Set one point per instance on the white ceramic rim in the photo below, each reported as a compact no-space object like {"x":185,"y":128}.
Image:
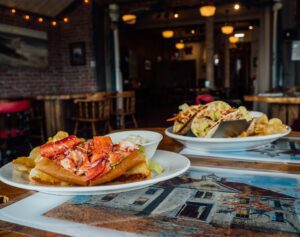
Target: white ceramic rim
{"x":224,"y":140}
{"x":103,"y":188}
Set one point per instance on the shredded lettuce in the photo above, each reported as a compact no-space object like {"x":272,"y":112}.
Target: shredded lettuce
{"x":156,"y":167}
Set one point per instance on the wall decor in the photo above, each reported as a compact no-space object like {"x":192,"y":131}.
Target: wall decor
{"x":77,"y":54}
{"x":21,"y":47}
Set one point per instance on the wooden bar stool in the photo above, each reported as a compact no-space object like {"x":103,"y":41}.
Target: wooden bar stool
{"x":92,"y":111}
{"x":123,"y":104}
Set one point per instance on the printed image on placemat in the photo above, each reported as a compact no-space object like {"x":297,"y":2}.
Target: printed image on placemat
{"x":201,"y":202}
{"x":284,"y":150}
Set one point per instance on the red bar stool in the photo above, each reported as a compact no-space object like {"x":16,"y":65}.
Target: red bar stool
{"x":204,"y":99}
{"x":14,"y":128}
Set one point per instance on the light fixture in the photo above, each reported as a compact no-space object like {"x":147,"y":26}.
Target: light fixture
{"x":227,"y":29}
{"x":207,"y":10}
{"x":193,"y":31}
{"x":179,"y":45}
{"x":129,"y":19}
{"x":53,"y":23}
{"x":176,"y":15}
{"x":86,"y":1}
{"x":233,"y":39}
{"x":250,"y":27}
{"x":40,"y":19}
{"x":239,"y":35}
{"x":236,"y":6}
{"x":13,"y":11}
{"x":168,"y":34}
{"x":27,"y":17}
{"x":66,"y":19}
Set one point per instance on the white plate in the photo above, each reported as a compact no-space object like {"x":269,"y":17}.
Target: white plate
{"x":224,"y":144}
{"x":172,"y":163}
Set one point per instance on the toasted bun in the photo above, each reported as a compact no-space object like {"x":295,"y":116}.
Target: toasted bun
{"x":51,"y":168}
{"x":132,"y":160}
{"x":38,"y":177}
{"x":137,"y":173}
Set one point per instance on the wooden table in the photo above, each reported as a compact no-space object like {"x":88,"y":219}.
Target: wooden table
{"x":56,"y":111}
{"x":285,"y":108}
{"x":14,"y":194}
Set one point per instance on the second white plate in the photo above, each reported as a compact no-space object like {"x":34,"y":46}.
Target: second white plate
{"x":224,"y":144}
{"x":172,"y":163}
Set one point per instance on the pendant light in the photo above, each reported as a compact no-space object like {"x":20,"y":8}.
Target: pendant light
{"x":207,"y":10}
{"x":168,"y":34}
{"x":233,"y":39}
{"x":129,"y":19}
{"x":179,"y":45}
{"x":227,"y":28}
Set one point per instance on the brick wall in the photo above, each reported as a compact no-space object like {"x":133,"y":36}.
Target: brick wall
{"x":60,"y":77}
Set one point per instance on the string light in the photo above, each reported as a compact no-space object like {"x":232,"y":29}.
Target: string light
{"x":66,"y":20}
{"x":176,"y":15}
{"x":250,"y":27}
{"x":236,"y":6}
{"x":13,"y":11}
{"x":193,"y":31}
{"x":53,"y":23}
{"x":40,"y":19}
{"x":86,"y":1}
{"x":27,"y":17}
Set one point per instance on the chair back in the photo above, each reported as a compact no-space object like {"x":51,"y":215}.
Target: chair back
{"x":92,"y":109}
{"x":125,"y":102}
{"x":99,"y":95}
{"x":204,"y":99}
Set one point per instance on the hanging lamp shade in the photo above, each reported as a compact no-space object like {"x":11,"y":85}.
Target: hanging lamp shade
{"x":233,"y":39}
{"x":168,"y":34}
{"x":129,"y":19}
{"x":227,"y":29}
{"x":179,"y":45}
{"x":207,"y":10}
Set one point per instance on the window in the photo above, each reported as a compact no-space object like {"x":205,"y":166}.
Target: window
{"x":277,"y":203}
{"x":244,"y":200}
{"x":140,"y":201}
{"x":208,"y":195}
{"x":151,"y":191}
{"x":278,"y":217}
{"x":195,"y":210}
{"x":242,"y":213}
{"x":199,"y":194}
{"x":109,"y":197}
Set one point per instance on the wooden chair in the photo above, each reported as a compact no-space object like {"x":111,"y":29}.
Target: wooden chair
{"x":123,"y":104}
{"x":37,"y":120}
{"x":91,"y":110}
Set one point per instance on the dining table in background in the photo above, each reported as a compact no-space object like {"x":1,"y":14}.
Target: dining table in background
{"x":56,"y":110}
{"x":283,"y":107}
{"x":15,"y":194}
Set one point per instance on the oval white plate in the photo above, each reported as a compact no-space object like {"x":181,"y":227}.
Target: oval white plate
{"x":224,"y":144}
{"x":172,"y":163}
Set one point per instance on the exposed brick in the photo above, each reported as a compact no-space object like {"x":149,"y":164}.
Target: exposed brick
{"x":60,"y":76}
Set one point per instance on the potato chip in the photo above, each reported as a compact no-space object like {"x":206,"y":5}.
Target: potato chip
{"x":58,"y":136}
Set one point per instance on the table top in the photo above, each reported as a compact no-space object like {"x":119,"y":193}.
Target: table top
{"x":272,"y":100}
{"x":15,"y":194}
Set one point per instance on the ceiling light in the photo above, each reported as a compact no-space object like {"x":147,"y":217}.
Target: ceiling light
{"x":207,"y":10}
{"x":227,"y":29}
{"x":129,"y":19}
{"x":179,"y":45}
{"x":13,"y":11}
{"x":239,"y":35}
{"x":233,"y":39}
{"x":193,"y":31}
{"x":26,"y":17}
{"x":86,"y":1}
{"x":176,"y":15}
{"x":250,"y":27}
{"x":168,"y":34}
{"x":236,"y":6}
{"x":66,"y":20}
{"x":40,"y":19}
{"x":53,"y":23}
